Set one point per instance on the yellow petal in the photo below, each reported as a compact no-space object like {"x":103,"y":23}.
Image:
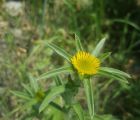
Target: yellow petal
{"x":85,"y":63}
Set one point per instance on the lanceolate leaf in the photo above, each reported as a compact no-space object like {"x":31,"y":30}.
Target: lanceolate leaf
{"x":28,"y":89}
{"x":115,"y":71}
{"x":59,"y":51}
{"x":21,"y":95}
{"x":58,"y":81}
{"x":104,"y":56}
{"x":116,"y":77}
{"x":79,"y":111}
{"x":99,"y":47}
{"x":55,"y":72}
{"x":79,"y":46}
{"x":115,"y":74}
{"x":51,"y":95}
{"x":33,"y":83}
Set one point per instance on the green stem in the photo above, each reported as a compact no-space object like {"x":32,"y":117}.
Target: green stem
{"x":89,"y":95}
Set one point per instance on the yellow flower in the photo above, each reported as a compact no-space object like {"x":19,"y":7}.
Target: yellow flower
{"x":85,"y":63}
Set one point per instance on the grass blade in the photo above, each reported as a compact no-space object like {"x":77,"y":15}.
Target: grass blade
{"x":127,"y":22}
{"x":69,"y":5}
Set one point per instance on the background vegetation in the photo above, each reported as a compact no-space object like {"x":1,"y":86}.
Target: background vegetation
{"x":22,"y":56}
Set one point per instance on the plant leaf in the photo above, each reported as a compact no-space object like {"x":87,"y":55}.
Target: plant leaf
{"x":79,"y":111}
{"x":52,"y":94}
{"x":104,"y":56}
{"x":33,"y":83}
{"x":59,"y":51}
{"x":116,"y":74}
{"x":99,"y":47}
{"x":58,"y":81}
{"x":79,"y":46}
{"x":115,"y":71}
{"x":21,"y":95}
{"x":29,"y":104}
{"x":105,"y":117}
{"x":55,"y":72}
{"x":116,"y":77}
{"x":28,"y":89}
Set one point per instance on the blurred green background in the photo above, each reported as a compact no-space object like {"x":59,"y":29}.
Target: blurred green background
{"x":24,"y":22}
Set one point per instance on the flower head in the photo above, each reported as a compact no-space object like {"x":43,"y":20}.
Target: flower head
{"x":85,"y":63}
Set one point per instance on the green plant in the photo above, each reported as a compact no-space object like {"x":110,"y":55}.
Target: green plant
{"x":59,"y":101}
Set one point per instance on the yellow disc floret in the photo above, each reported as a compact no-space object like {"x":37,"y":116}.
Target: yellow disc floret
{"x":85,"y":63}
